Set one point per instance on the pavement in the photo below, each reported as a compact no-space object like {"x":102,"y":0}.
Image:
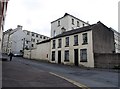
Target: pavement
{"x":25,"y":72}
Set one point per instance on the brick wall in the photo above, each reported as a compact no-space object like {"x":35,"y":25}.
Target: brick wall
{"x":106,"y":60}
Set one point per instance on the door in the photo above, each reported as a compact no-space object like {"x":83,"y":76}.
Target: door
{"x":59,"y":57}
{"x":76,"y":57}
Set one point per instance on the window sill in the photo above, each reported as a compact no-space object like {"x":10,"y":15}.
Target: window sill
{"x":59,"y":47}
{"x":66,"y":60}
{"x":67,"y":46}
{"x":75,"y":44}
{"x":84,"y":43}
{"x":83,"y":61}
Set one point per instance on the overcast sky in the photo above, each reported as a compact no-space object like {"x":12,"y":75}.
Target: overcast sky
{"x":36,"y":15}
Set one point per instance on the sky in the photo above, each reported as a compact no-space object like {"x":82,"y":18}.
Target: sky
{"x":37,"y":15}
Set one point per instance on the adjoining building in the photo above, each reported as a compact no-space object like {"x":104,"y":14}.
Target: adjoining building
{"x":17,"y":40}
{"x":66,"y":23}
{"x":117,"y":40}
{"x":3,"y":9}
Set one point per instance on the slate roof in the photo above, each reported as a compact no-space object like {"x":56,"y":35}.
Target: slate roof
{"x":78,"y":30}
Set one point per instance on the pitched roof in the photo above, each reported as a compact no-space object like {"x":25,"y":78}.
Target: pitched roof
{"x":66,"y":14}
{"x":79,"y":30}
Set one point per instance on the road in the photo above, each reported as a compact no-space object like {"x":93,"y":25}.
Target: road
{"x":42,"y":74}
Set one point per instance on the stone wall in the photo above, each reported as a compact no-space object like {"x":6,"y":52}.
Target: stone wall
{"x":107,"y":60}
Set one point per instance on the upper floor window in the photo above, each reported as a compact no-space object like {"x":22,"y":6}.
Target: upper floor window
{"x":67,"y":41}
{"x":85,"y":39}
{"x":66,"y":55}
{"x":78,"y":24}
{"x":83,"y":55}
{"x":53,"y":44}
{"x":36,"y":35}
{"x":58,"y":23}
{"x":76,"y":40}
{"x":32,"y":34}
{"x":41,"y":36}
{"x":83,"y":24}
{"x":28,"y":33}
{"x":59,"y":43}
{"x":54,"y":33}
{"x":44,"y":37}
{"x":73,"y":21}
{"x":63,"y":30}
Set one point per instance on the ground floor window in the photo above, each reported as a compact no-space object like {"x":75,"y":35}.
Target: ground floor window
{"x":66,"y":55}
{"x":53,"y":55}
{"x":83,"y":55}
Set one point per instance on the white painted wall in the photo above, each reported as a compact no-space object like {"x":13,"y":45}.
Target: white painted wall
{"x":65,"y":22}
{"x":16,"y":40}
{"x":41,"y":53}
{"x":71,"y":48}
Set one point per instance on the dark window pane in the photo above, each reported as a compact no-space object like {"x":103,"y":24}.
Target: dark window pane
{"x":53,"y":55}
{"x":83,"y":55}
{"x":76,"y":40}
{"x":53,"y":44}
{"x":59,"y":43}
{"x":85,"y":41}
{"x":67,"y":55}
{"x":67,"y":41}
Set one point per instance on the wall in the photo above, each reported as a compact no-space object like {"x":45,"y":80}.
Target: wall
{"x":103,"y":39}
{"x":65,"y":22}
{"x":107,"y":60}
{"x":71,"y":48}
{"x":17,"y":39}
{"x":41,"y":53}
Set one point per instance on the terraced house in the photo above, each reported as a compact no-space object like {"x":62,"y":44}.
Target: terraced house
{"x":76,"y":46}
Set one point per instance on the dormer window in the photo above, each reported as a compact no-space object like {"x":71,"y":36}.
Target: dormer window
{"x":63,"y":30}
{"x":58,"y":23}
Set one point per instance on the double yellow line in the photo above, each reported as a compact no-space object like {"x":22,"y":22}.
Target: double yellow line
{"x":71,"y":81}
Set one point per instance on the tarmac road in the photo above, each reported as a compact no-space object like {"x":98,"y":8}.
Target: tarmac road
{"x":22,"y":72}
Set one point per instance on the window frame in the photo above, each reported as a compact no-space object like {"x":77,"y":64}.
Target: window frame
{"x":82,"y":53}
{"x":67,"y":42}
{"x":59,"y":43}
{"x":53,"y":44}
{"x":66,"y":55}
{"x":58,"y":23}
{"x":53,"y":56}
{"x":85,"y":37}
{"x":75,"y":40}
{"x":72,"y":21}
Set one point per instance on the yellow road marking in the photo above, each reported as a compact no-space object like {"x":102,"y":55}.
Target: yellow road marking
{"x":71,"y":81}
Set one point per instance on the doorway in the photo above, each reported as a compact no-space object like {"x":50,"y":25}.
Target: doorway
{"x":76,"y":57}
{"x":59,"y":57}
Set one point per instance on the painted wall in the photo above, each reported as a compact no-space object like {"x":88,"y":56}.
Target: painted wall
{"x":41,"y":53}
{"x":89,"y":63}
{"x":103,"y":39}
{"x":65,"y":22}
{"x":17,"y":40}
